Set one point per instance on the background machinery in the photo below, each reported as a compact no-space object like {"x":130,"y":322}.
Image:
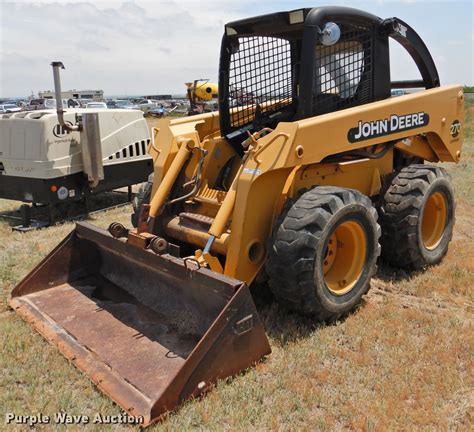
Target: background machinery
{"x":307,"y":173}
{"x":200,"y":93}
{"x":44,"y":159}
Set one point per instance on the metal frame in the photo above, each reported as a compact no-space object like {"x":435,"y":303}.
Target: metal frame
{"x":117,"y":175}
{"x":303,"y":38}
{"x":29,"y":224}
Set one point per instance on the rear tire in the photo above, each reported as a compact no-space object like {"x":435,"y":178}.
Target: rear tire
{"x":142,"y":197}
{"x":417,"y":217}
{"x":324,"y":252}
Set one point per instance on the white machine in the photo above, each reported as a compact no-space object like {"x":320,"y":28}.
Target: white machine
{"x":43,"y":162}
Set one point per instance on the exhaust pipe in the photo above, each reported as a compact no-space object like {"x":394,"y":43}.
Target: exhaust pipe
{"x":88,"y":126}
{"x":59,"y":102}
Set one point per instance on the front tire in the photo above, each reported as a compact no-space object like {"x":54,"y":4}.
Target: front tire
{"x":143,"y":197}
{"x":324,"y":252}
{"x":417,"y":217}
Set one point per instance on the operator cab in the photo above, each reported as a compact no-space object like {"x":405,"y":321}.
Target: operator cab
{"x":293,"y":65}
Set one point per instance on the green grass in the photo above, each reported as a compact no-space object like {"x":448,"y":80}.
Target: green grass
{"x":403,"y":361}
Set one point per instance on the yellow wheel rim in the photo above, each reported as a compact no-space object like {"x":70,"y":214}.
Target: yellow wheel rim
{"x":434,"y":219}
{"x":344,"y":257}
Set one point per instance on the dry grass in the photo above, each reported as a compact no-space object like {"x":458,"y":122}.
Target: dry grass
{"x":403,"y":361}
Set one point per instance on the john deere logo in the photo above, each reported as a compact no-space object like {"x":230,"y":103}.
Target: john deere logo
{"x":60,"y":131}
{"x":393,"y":124}
{"x":455,"y":128}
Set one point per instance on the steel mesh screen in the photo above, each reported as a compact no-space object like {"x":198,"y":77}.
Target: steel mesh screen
{"x":260,"y":73}
{"x":344,"y":72}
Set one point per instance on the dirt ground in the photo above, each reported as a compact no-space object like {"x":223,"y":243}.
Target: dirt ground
{"x":402,"y":361}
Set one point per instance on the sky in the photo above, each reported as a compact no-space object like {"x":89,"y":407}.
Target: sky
{"x":154,"y":47}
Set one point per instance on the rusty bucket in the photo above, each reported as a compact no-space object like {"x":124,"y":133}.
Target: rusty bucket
{"x":149,"y":330}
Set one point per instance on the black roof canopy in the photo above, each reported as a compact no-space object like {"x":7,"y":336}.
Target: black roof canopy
{"x":302,"y":29}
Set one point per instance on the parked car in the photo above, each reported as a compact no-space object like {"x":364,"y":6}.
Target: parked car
{"x":9,"y":108}
{"x":121,"y":104}
{"x":158,"y":112}
{"x":22,"y":103}
{"x":96,"y":105}
{"x":36,"y":104}
{"x":40,"y":104}
{"x":83,"y":102}
{"x":73,"y":103}
{"x":147,"y":104}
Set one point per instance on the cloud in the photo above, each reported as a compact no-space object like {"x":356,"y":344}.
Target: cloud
{"x":123,"y":47}
{"x":127,"y":47}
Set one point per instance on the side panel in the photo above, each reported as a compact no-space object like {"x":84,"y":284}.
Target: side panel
{"x":38,"y":190}
{"x":310,"y":141}
{"x":434,"y":112}
{"x":363,"y":175}
{"x":257,"y":198}
{"x":34,"y":145}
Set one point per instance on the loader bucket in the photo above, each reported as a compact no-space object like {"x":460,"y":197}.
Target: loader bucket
{"x":149,"y":330}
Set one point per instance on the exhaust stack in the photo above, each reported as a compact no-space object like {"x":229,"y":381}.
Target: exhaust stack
{"x":59,"y":102}
{"x":88,"y":126}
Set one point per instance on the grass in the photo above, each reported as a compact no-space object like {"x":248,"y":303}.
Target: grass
{"x":403,"y":361}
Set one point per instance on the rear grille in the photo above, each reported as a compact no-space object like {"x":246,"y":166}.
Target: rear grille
{"x":139,"y":148}
{"x":260,"y":73}
{"x":344,"y":71}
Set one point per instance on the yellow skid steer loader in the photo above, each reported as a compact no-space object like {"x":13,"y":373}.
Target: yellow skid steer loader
{"x":307,"y":173}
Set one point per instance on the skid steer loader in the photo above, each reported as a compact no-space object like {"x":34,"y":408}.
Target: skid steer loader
{"x":283,"y":185}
